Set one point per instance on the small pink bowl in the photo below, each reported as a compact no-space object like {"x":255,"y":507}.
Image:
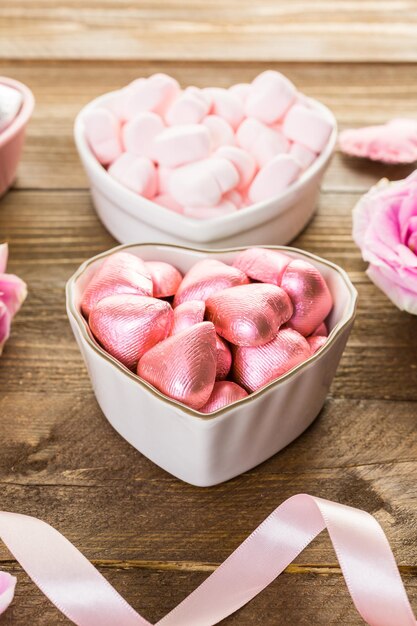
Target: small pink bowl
{"x":12,"y":138}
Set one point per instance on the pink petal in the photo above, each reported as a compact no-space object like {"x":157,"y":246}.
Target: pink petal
{"x":4,"y":253}
{"x":405,"y":299}
{"x":7,"y":586}
{"x":13,"y":292}
{"x":394,"y":142}
{"x":5,"y":322}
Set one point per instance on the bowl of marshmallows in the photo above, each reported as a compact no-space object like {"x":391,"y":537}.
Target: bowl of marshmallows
{"x":212,"y":166}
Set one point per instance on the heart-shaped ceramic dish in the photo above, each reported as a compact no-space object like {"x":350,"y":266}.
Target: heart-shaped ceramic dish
{"x":12,"y":138}
{"x":133,"y":218}
{"x":208,"y":449}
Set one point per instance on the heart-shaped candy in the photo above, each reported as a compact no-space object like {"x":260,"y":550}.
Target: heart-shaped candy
{"x":183,"y":366}
{"x":165,"y":278}
{"x":310,"y":296}
{"x":121,"y":272}
{"x":207,"y":277}
{"x":266,"y":266}
{"x":127,"y":326}
{"x":187,"y":314}
{"x":321,"y":330}
{"x":223,"y":360}
{"x":249,"y":315}
{"x":316,"y":342}
{"x":255,"y":367}
{"x":224,"y":392}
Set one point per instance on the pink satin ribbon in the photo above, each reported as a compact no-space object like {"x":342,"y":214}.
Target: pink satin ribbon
{"x":81,"y":593}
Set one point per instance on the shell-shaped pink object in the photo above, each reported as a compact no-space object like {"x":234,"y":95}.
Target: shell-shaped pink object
{"x":121,"y":272}
{"x":254,"y":368}
{"x":183,"y":367}
{"x":266,"y":266}
{"x":310,"y":296}
{"x":187,"y":314}
{"x":207,"y":277}
{"x":224,"y":358}
{"x":165,"y":278}
{"x":393,"y":142}
{"x":316,"y":342}
{"x":321,"y":330}
{"x":249,"y":315}
{"x":224,"y":392}
{"x":127,"y":326}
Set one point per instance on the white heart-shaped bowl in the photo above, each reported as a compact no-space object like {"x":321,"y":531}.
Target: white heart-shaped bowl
{"x":208,"y":449}
{"x":131,"y":218}
{"x":13,"y":137}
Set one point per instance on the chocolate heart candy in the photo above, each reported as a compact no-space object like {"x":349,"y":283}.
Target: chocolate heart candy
{"x":254,"y":368}
{"x":266,"y":266}
{"x":249,"y":315}
{"x":224,"y":358}
{"x":165,"y":278}
{"x":183,"y":367}
{"x":310,"y":296}
{"x":320,"y":330}
{"x":187,"y":314}
{"x":121,"y":272}
{"x":207,"y":277}
{"x":224,"y":392}
{"x":316,"y":342}
{"x":127,"y":326}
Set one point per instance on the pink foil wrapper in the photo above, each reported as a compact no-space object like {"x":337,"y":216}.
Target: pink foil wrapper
{"x":165,"y":278}
{"x":255,"y":367}
{"x":127,"y":326}
{"x":183,"y":367}
{"x":120,"y":273}
{"x":224,"y":359}
{"x":187,"y":314}
{"x":249,"y":315}
{"x":266,"y":266}
{"x":309,"y":294}
{"x":316,"y":342}
{"x":224,"y":392}
{"x":206,"y":278}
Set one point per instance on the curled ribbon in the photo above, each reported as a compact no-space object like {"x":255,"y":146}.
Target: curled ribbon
{"x":81,"y":593}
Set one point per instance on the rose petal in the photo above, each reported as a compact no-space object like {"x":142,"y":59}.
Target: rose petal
{"x":394,"y":142}
{"x":5,"y":321}
{"x":4,"y":252}
{"x":7,"y":587}
{"x":13,"y":292}
{"x":403,"y":298}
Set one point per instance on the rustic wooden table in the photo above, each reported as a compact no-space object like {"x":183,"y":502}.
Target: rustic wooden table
{"x":152,"y":536}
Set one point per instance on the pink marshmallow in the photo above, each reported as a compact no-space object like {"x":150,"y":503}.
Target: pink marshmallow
{"x":270,"y":97}
{"x":102,"y":131}
{"x":140,"y":132}
{"x":203,"y":183}
{"x":234,"y":197}
{"x":304,"y":156}
{"x":248,"y":133}
{"x":221,"y":133}
{"x":183,"y":144}
{"x":241,"y":90}
{"x":164,"y":174}
{"x":226,"y":104}
{"x":243,"y":161}
{"x":262,"y":141}
{"x":115,"y":104}
{"x":135,"y":173}
{"x":165,"y":200}
{"x":274,"y":178}
{"x":307,"y":127}
{"x":150,"y":94}
{"x":203,"y":213}
{"x":188,"y":108}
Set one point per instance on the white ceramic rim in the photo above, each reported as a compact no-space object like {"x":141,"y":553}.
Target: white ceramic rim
{"x":160,"y":213}
{"x":86,"y":333}
{"x":25,"y":110}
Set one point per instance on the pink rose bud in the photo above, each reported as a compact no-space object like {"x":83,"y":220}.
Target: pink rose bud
{"x":13,"y":292}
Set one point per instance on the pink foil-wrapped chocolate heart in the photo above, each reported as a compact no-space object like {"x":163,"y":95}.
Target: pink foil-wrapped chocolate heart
{"x":310,"y":296}
{"x":127,"y":326}
{"x":207,"y":277}
{"x":224,"y":392}
{"x":266,"y":266}
{"x":255,"y":367}
{"x":187,"y":314}
{"x":121,"y":272}
{"x":316,"y":342}
{"x":321,"y":330}
{"x":183,"y":366}
{"x":165,"y":278}
{"x":249,"y":315}
{"x":224,"y":358}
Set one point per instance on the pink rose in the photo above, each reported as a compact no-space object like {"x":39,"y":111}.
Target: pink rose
{"x":12,"y":293}
{"x":385,"y":229}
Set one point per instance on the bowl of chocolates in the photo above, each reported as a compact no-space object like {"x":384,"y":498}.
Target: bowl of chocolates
{"x":209,"y":362}
{"x":16,"y":107}
{"x":213,"y":166}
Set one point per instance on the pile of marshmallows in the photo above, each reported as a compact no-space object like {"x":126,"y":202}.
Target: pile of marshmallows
{"x":214,"y":335}
{"x":207,"y":152}
{"x":10,"y":104}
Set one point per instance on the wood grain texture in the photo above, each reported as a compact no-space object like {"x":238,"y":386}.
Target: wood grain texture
{"x":152,"y":536}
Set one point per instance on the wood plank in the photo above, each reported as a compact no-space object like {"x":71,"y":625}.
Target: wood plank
{"x":238,"y":30}
{"x":50,"y":159}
